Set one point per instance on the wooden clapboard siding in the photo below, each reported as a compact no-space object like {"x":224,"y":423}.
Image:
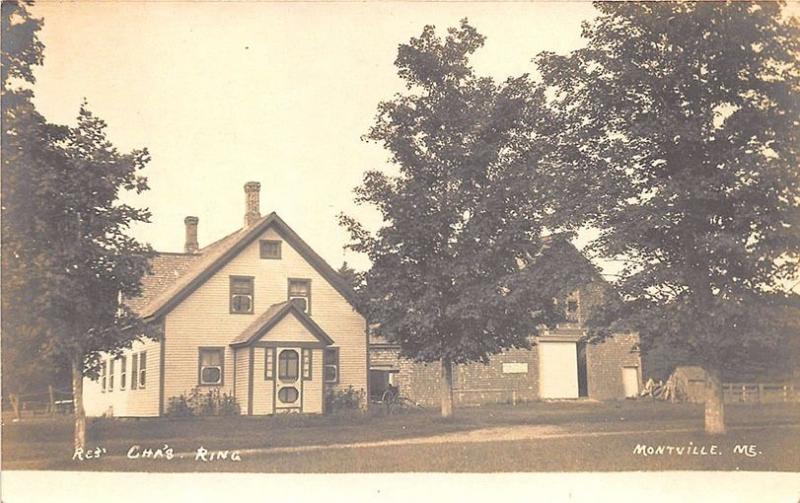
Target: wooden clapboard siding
{"x":313,"y":395}
{"x":128,"y":402}
{"x":289,"y":329}
{"x":242,"y":371}
{"x":203,"y":319}
{"x":262,"y":389}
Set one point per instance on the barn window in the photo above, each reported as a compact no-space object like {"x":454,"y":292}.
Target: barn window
{"x":241,"y":294}
{"x":288,"y":365}
{"x":332,"y":365}
{"x":573,"y":307}
{"x":211,"y":366}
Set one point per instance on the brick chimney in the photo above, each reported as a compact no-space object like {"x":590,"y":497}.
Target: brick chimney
{"x":251,"y":203}
{"x":191,"y":245}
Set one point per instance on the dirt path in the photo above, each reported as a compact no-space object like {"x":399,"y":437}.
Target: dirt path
{"x":500,"y":434}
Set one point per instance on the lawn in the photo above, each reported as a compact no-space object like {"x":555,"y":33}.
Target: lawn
{"x":580,"y":436}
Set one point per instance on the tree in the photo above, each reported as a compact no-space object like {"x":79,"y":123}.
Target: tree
{"x":465,"y":213}
{"x":66,"y":260}
{"x":679,"y":141}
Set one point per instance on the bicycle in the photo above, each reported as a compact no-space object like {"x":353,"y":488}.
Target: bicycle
{"x":393,"y":401}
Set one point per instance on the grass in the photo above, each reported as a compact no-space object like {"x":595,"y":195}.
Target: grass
{"x":615,"y":429}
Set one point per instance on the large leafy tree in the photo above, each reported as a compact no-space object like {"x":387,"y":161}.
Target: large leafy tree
{"x":463,"y":205}
{"x":680,"y":142}
{"x":66,"y":258}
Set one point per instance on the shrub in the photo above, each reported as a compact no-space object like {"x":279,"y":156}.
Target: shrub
{"x":178,"y":406}
{"x":348,"y":399}
{"x":203,"y":403}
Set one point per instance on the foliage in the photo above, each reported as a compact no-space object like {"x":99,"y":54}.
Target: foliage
{"x":680,"y":122}
{"x":66,"y":259}
{"x":342,"y":400}
{"x":464,"y":212}
{"x":203,"y":403}
{"x":679,"y":141}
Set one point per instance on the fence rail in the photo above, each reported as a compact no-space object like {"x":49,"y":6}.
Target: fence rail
{"x":759,"y":392}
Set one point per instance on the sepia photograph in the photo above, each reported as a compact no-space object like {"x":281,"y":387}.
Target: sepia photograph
{"x":379,"y":250}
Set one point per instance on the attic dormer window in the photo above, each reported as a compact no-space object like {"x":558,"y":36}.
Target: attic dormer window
{"x":270,"y":249}
{"x":241,"y":294}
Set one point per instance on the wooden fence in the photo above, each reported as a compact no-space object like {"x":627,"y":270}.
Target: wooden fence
{"x":51,"y":402}
{"x":759,"y":392}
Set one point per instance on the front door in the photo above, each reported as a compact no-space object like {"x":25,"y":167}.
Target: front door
{"x":288,"y":385}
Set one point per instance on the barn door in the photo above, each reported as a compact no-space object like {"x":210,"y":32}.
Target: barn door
{"x":558,"y":370}
{"x":630,"y":381}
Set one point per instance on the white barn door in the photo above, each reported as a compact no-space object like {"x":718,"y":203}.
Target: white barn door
{"x":558,"y":370}
{"x":630,"y":381}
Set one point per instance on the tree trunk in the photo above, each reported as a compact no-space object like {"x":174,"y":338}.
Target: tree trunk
{"x":447,"y":388}
{"x":714,"y":403}
{"x":77,"y":401}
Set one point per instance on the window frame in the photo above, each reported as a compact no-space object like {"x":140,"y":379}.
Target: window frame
{"x":307,"y":297}
{"x":306,"y":365}
{"x":123,"y":372}
{"x":111,"y":375}
{"x":103,"y":375}
{"x":326,"y":362}
{"x":269,"y":364}
{"x":262,"y":244}
{"x":142,"y":370}
{"x":251,"y":281}
{"x":134,"y":371}
{"x":573,"y":316}
{"x":221,"y":351}
{"x":286,"y":377}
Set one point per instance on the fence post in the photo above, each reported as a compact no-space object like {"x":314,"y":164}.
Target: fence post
{"x":513,"y":397}
{"x":15,"y":405}
{"x":52,"y":405}
{"x":760,"y":392}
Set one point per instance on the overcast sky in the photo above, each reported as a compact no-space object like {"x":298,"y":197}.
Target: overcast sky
{"x":224,"y":93}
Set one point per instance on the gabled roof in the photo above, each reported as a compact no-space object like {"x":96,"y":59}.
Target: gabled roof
{"x":271,"y":317}
{"x":192,"y":271}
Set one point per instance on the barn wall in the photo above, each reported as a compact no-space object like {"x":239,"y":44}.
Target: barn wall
{"x":604,"y":364}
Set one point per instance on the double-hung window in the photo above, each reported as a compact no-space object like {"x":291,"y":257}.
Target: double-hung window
{"x":331,"y":365}
{"x":123,"y":375}
{"x":111,"y":375}
{"x":300,"y":293}
{"x":211,"y":366}
{"x":135,"y":371}
{"x":142,"y":369}
{"x":138,"y":370}
{"x":241,"y":289}
{"x":270,"y":249}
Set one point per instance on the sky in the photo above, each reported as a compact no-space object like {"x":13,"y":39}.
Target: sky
{"x":279,"y":93}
